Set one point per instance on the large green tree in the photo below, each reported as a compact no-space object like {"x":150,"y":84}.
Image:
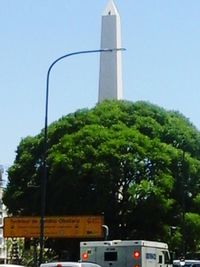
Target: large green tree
{"x":136,"y":163}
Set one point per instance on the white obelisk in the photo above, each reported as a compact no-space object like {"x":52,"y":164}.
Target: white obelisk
{"x":110,"y":76}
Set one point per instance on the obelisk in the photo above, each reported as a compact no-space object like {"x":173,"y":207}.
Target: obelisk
{"x":110,"y":75}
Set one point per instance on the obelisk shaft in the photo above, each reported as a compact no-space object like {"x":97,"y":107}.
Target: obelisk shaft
{"x":110,"y":76}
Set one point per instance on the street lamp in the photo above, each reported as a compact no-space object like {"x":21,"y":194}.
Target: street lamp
{"x":44,"y":178}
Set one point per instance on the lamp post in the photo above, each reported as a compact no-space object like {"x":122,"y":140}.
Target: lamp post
{"x":44,"y":178}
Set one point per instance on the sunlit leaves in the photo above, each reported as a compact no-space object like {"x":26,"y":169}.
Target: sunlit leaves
{"x":136,"y":163}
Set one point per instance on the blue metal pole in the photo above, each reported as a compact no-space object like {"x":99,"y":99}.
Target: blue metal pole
{"x":44,"y":178}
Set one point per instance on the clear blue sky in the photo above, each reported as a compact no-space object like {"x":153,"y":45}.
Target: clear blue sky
{"x":161,"y":64}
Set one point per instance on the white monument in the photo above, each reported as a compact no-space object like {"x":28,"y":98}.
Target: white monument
{"x":110,"y":76}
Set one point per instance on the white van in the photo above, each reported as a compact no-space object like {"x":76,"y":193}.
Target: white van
{"x":69,"y":264}
{"x":126,"y":253}
{"x":186,"y":263}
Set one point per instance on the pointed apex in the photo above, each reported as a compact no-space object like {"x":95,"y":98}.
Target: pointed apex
{"x":110,"y":9}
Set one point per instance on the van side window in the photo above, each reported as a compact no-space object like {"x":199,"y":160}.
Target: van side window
{"x":160,"y":259}
{"x":167,"y":257}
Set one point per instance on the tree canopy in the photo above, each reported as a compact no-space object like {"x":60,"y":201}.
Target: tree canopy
{"x":136,"y":163}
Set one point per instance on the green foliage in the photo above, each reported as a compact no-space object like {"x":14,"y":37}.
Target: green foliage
{"x":136,"y":163}
{"x":192,"y":224}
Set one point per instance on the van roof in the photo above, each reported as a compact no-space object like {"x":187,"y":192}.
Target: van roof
{"x":188,"y":261}
{"x":125,"y":243}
